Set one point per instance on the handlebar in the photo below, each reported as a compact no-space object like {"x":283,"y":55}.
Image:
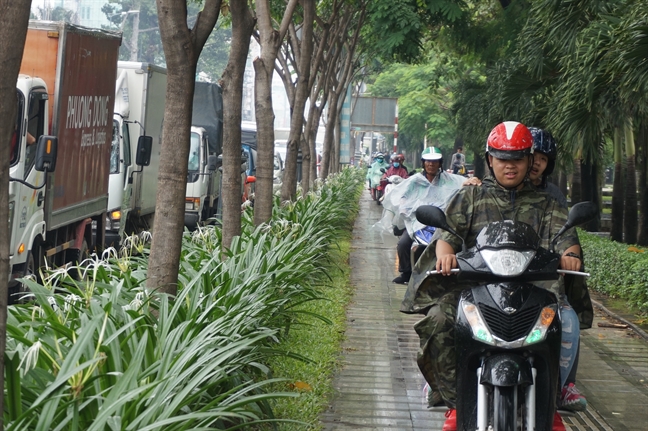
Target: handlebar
{"x":435,"y":272}
{"x":564,"y":271}
{"x":559,"y":271}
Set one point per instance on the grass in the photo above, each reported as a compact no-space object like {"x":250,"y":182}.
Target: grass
{"x":318,"y":341}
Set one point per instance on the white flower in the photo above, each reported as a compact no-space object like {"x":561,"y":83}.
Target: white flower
{"x":31,"y":357}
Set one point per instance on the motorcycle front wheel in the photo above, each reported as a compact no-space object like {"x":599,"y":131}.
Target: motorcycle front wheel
{"x":505,"y":408}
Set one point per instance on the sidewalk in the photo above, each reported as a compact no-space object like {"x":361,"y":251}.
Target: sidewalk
{"x":379,"y":386}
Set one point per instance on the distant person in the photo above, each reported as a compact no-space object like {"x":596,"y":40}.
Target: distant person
{"x":459,"y":162}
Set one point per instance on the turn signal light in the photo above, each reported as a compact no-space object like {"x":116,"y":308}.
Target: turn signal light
{"x":547,"y":316}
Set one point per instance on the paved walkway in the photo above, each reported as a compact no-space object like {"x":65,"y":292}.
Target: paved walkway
{"x":379,"y":386}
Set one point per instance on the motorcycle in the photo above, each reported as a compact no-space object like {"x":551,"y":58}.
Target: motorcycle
{"x":507,"y":332}
{"x":420,"y":240}
{"x":388,"y":183}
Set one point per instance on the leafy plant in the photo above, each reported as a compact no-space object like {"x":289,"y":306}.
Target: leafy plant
{"x":105,"y":353}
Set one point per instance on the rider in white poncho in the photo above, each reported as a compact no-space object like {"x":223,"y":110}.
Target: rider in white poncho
{"x":432,"y":186}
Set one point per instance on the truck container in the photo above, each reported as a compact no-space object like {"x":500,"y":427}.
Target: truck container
{"x":65,"y":97}
{"x":139,"y":111}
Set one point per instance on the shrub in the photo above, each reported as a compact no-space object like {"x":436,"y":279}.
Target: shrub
{"x":107,"y":354}
{"x":618,"y":270}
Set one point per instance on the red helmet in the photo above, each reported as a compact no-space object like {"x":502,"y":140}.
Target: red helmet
{"x":398,"y":158}
{"x":510,"y":140}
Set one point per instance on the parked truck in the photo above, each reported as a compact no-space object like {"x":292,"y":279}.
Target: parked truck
{"x":206,"y":144}
{"x":139,"y":111}
{"x":61,"y":145}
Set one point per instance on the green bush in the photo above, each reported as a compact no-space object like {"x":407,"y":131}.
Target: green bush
{"x":107,"y":354}
{"x":618,"y":270}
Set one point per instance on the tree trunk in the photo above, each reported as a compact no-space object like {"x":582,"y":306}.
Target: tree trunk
{"x":232,"y":84}
{"x":13,"y":33}
{"x":616,"y":229}
{"x":329,"y":135}
{"x":305,"y":166}
{"x":630,"y":227}
{"x":270,"y":41}
{"x":590,"y":191}
{"x":304,"y":83}
{"x":642,"y":159}
{"x":479,"y":165}
{"x":312,"y":125}
{"x":575,"y":190}
{"x":182,"y":48}
{"x":562,"y":182}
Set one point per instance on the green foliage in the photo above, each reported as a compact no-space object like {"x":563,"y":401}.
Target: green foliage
{"x":616,"y":269}
{"x":425,"y":94}
{"x":121,"y":14}
{"x":105,"y":353}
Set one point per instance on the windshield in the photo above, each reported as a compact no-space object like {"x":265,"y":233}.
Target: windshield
{"x":114,"y":149}
{"x":194,"y":153}
{"x":14,"y":150}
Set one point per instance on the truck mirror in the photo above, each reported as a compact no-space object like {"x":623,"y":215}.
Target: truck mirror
{"x":46,"y":153}
{"x":144,"y":147}
{"x":212,"y":163}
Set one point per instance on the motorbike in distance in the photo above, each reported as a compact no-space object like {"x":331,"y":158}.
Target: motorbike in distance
{"x":507,"y":333}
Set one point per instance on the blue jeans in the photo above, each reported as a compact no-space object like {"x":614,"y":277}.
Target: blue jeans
{"x":569,"y":343}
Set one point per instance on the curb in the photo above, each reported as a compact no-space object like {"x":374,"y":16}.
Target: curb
{"x":634,"y":327}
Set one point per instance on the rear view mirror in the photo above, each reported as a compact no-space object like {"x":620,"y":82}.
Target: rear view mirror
{"x":144,"y":148}
{"x":212,"y":162}
{"x":580,"y":213}
{"x":46,"y":153}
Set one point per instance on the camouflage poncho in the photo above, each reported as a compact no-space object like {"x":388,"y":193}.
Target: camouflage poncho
{"x":471,"y":209}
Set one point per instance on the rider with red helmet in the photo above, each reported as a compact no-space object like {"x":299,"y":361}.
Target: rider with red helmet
{"x":504,"y":195}
{"x":396,"y":167}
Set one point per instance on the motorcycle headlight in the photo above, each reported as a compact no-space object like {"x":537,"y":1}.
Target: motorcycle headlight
{"x":539,"y":331}
{"x":506,"y":262}
{"x":479,"y":328}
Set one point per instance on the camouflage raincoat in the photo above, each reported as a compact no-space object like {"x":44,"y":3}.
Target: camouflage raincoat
{"x":471,"y":209}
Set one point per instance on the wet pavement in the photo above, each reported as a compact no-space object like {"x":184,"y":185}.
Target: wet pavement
{"x":379,"y":387}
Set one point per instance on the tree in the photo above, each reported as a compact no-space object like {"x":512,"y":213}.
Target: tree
{"x":339,"y":81}
{"x":13,"y":33}
{"x":182,"y":47}
{"x":297,"y":82}
{"x":270,"y":41}
{"x":138,"y":20}
{"x":232,"y":84}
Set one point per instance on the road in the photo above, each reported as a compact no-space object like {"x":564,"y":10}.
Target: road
{"x":379,"y":387}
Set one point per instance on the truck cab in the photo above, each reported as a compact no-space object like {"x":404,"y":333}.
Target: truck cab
{"x":203,"y":180}
{"x":118,"y":186}
{"x":26,"y":204}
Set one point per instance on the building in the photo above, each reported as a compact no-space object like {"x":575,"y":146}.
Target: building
{"x":84,"y":12}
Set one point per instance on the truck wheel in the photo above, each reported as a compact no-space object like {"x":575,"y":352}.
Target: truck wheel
{"x":505,"y":409}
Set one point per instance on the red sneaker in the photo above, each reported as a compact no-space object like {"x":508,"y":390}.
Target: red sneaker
{"x":557,"y":423}
{"x":451,"y":421}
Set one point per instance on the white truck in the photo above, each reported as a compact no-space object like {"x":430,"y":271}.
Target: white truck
{"x":139,"y":111}
{"x":61,"y":146}
{"x":206,"y":144}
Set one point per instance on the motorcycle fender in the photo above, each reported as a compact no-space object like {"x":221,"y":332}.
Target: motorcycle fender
{"x":506,"y":370}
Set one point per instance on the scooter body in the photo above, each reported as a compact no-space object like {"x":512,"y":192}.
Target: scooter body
{"x":507,"y":332}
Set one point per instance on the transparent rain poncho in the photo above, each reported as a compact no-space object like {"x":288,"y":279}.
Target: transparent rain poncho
{"x":400,"y":204}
